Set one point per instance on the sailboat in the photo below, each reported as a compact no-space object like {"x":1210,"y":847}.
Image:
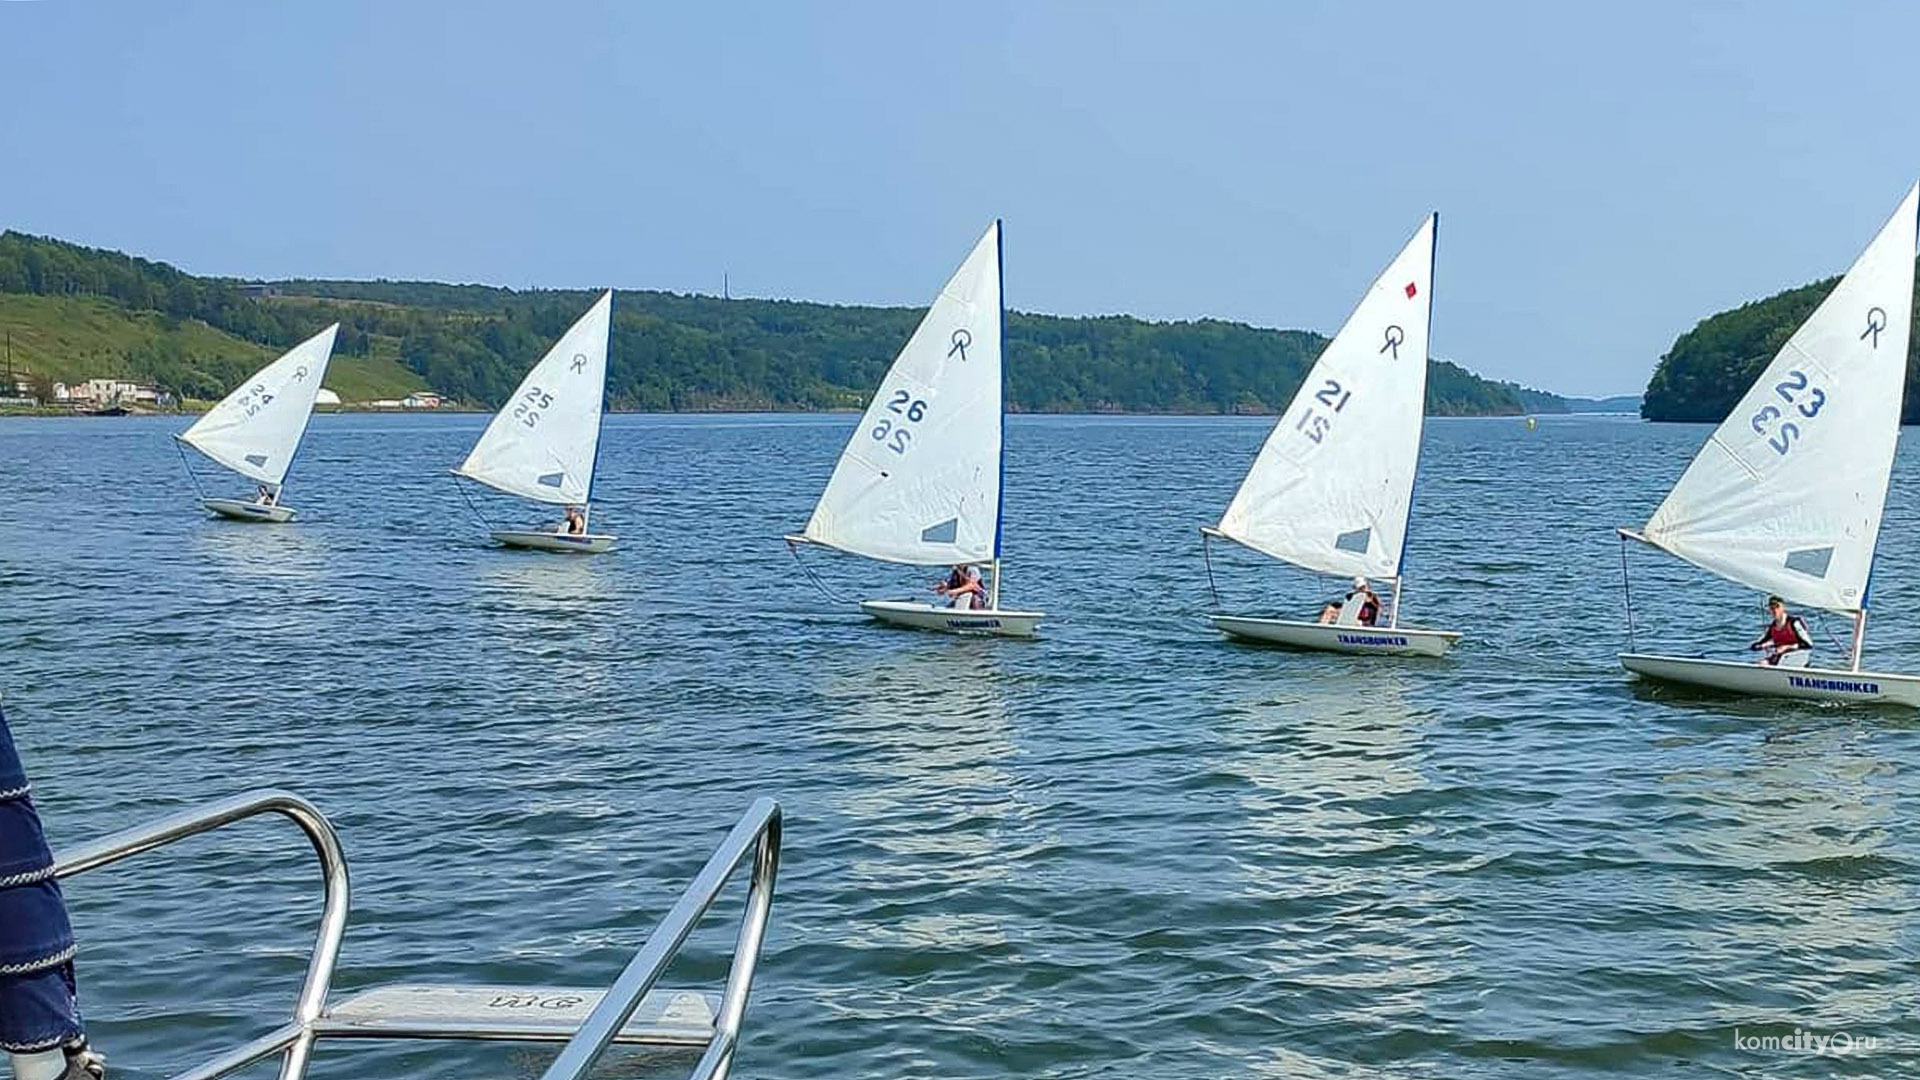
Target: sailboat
{"x":256,"y":430}
{"x":1786,"y":496}
{"x":544,"y":443}
{"x":919,"y":481}
{"x":1332,"y":488}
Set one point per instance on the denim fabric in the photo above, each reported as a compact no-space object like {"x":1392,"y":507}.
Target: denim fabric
{"x":37,"y":1004}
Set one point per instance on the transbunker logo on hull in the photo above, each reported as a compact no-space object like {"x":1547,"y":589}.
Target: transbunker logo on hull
{"x":1842,"y":686}
{"x":1390,"y":640}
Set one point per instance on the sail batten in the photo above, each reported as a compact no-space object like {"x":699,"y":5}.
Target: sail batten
{"x":1787,"y":494}
{"x":919,"y":480}
{"x":1332,"y":487}
{"x":543,"y":444}
{"x":256,"y":429}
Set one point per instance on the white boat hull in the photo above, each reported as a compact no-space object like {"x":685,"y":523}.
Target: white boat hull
{"x":953,"y":620}
{"x":1807,"y":683}
{"x":546,"y":540}
{"x":1329,"y":637}
{"x":244,"y":510}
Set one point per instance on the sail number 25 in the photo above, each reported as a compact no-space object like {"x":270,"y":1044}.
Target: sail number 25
{"x":532,"y":405}
{"x":896,"y":434}
{"x":1315,"y":422}
{"x":1773,"y":422}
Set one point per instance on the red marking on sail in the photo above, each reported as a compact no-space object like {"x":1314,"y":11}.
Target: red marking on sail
{"x":1411,"y":290}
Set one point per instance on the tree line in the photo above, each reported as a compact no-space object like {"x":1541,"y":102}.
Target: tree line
{"x":1707,"y":370}
{"x":677,"y":352}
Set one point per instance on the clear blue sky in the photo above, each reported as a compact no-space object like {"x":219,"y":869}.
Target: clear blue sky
{"x":1606,"y":173}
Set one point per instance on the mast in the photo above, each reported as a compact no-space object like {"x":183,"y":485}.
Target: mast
{"x":1000,"y":495}
{"x":1413,"y":489}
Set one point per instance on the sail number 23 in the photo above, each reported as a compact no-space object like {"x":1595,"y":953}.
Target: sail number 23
{"x":1315,"y":422}
{"x":896,"y":434}
{"x":1802,"y":399}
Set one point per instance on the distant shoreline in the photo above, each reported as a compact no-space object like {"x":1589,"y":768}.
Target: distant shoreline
{"x":70,"y":414}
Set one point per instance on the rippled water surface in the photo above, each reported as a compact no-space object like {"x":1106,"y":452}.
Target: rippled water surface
{"x":1128,"y":848}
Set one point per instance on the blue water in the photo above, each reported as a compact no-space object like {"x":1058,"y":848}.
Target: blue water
{"x":1128,"y":848}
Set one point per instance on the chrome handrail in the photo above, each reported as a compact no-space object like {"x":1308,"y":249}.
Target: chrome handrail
{"x":758,"y":831}
{"x":312,"y":1002}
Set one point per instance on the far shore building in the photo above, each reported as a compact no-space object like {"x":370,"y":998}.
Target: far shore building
{"x":420,"y":399}
{"x":99,"y":393}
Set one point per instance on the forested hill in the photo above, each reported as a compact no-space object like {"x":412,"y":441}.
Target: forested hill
{"x":1703,"y":375}
{"x":686,"y":352}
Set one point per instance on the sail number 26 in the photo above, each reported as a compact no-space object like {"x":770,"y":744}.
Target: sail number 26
{"x":1801,"y":398}
{"x":895,"y":434}
{"x":1314,"y":422}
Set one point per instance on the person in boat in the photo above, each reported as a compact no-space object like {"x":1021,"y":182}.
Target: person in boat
{"x":40,"y":1025}
{"x":963,"y":588}
{"x":1784,"y":633}
{"x":266,"y":496}
{"x":1361,"y":594}
{"x":576,"y":523}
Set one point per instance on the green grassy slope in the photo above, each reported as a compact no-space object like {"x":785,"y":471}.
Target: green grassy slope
{"x":69,"y":339}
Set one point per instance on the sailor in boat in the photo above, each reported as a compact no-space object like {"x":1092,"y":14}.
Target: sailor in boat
{"x":1361,"y":594}
{"x":1784,"y":635}
{"x":575,"y":524}
{"x":963,"y":589}
{"x":266,"y":496}
{"x":40,"y":1026}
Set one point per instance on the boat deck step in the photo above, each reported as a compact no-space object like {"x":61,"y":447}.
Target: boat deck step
{"x":534,"y":1013}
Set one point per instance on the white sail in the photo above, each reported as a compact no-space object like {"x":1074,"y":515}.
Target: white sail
{"x":541,"y":445}
{"x":1786,"y":496}
{"x":919,"y":481}
{"x":1332,"y":487}
{"x":256,"y":429}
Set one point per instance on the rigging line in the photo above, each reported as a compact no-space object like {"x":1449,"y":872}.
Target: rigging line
{"x":477,"y":515}
{"x":813,"y":577}
{"x":1206,"y":553}
{"x":188,"y":465}
{"x":1626,"y":586}
{"x":1821,"y":618}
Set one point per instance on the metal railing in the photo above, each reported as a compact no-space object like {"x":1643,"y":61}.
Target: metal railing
{"x":758,"y":832}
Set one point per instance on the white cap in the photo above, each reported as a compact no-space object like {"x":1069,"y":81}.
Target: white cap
{"x":1359,"y":582}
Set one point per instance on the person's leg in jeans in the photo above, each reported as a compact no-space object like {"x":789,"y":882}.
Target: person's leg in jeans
{"x":40,"y":1027}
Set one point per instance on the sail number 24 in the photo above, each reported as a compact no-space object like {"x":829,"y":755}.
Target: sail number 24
{"x":895,"y":434}
{"x":1315,"y":423}
{"x":1801,"y":397}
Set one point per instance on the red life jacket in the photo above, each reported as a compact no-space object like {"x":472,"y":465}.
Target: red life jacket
{"x":1785,"y":634}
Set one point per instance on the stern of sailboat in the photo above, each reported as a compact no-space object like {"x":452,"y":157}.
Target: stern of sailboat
{"x":246,"y":510}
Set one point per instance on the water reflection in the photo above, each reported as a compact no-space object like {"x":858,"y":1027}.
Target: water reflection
{"x":1339,"y":849}
{"x":923,"y":727}
{"x":251,"y":550}
{"x":559,"y":617}
{"x":1806,"y":898}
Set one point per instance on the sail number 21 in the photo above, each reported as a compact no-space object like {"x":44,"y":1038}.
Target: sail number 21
{"x":1801,"y":397}
{"x":895,"y":434}
{"x":1314,"y":423}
